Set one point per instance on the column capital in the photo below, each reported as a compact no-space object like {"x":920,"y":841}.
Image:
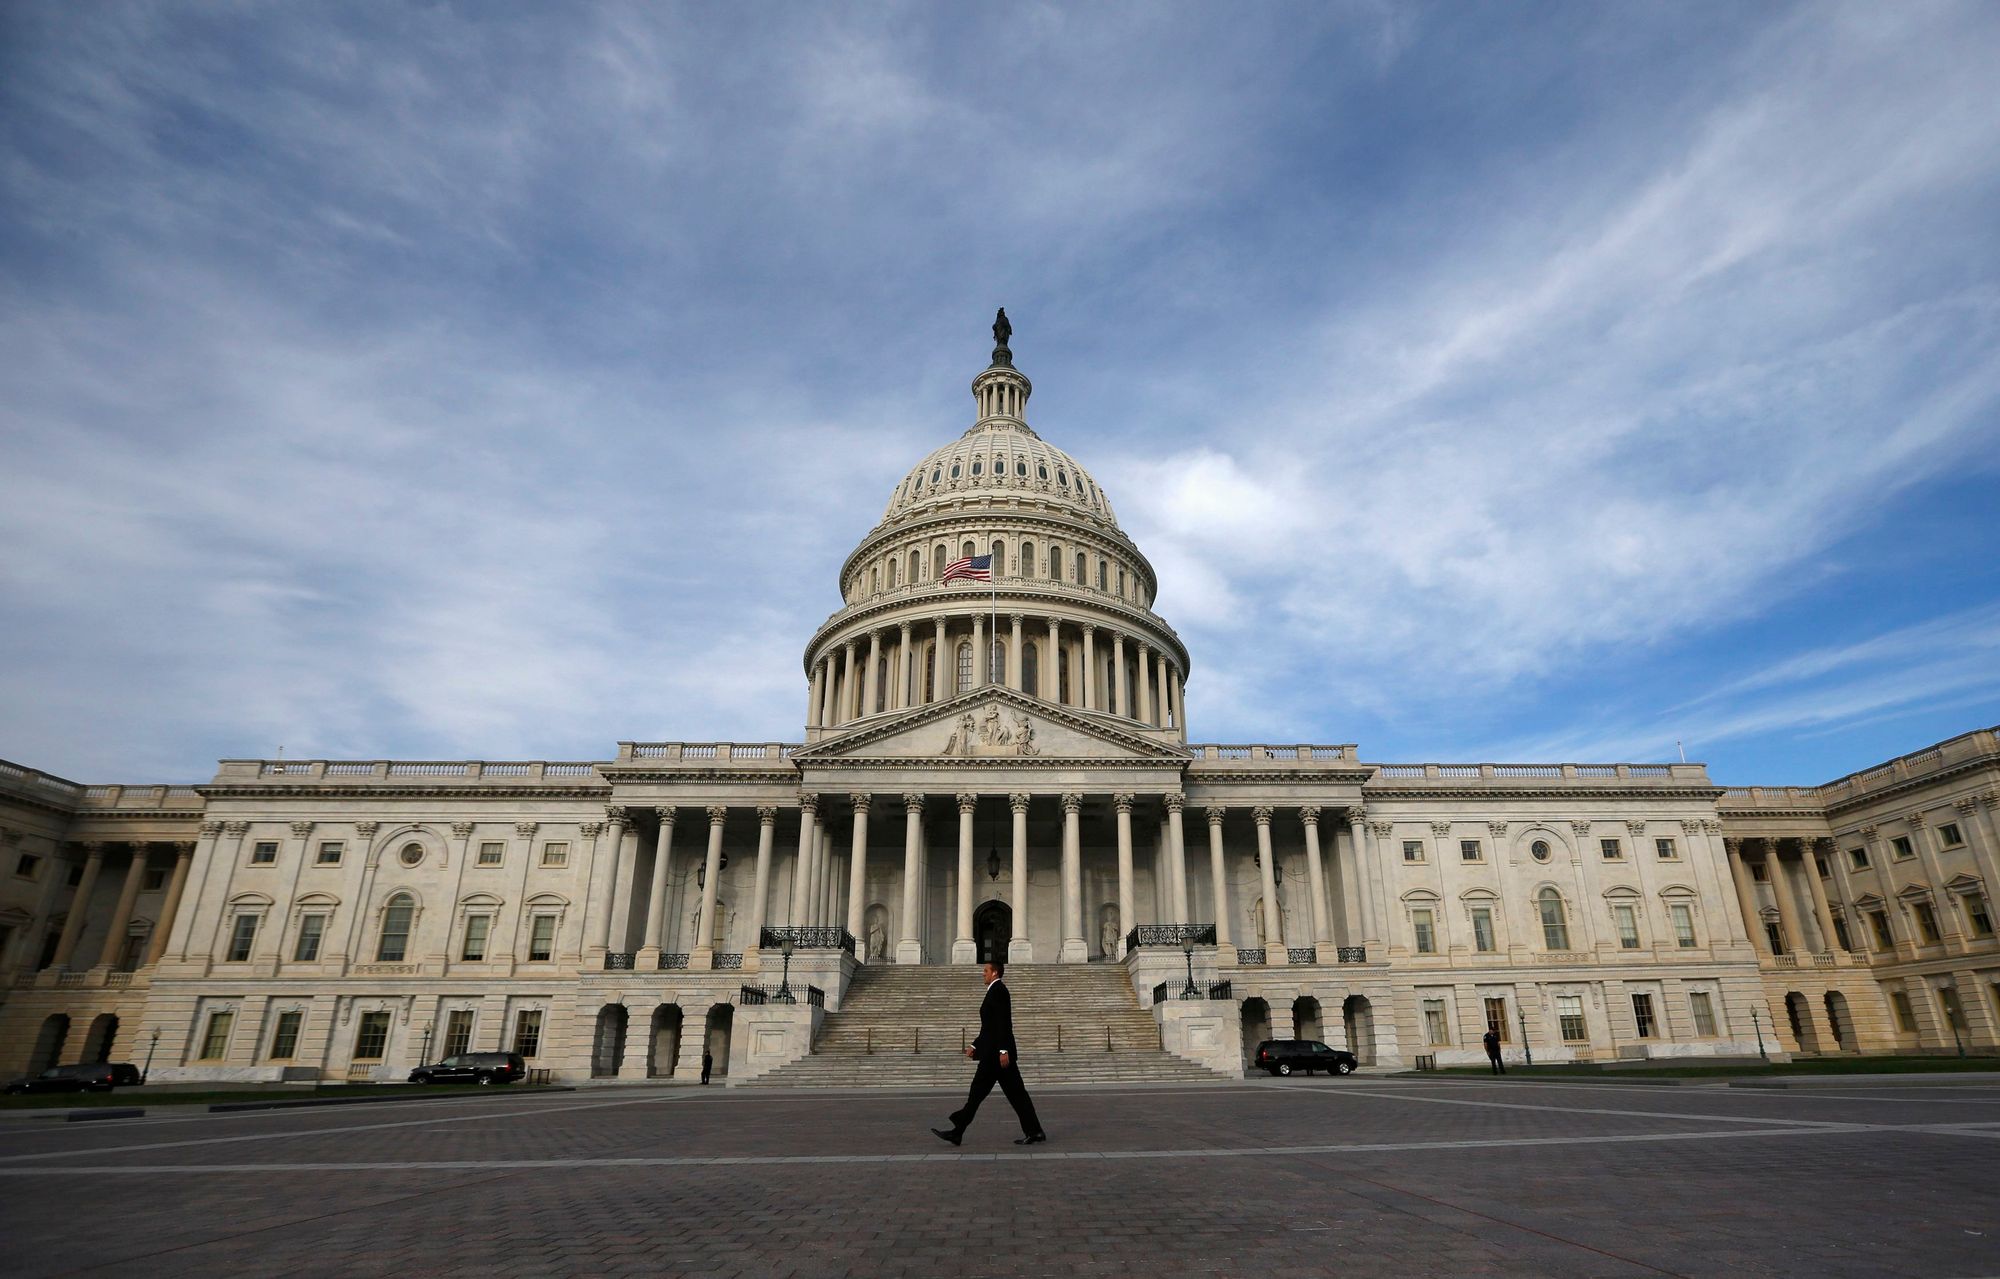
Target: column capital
{"x":1868,"y":833}
{"x":1580,"y":829}
{"x":913,"y":804}
{"x":905,"y":628}
{"x":1261,"y":815}
{"x":1381,"y":830}
{"x":666,"y":814}
{"x":1990,"y":798}
{"x":211,"y":828}
{"x":367,"y":829}
{"x":1498,"y":830}
{"x":302,"y":829}
{"x":1309,"y":815}
{"x":1965,"y":804}
{"x":1072,"y":802}
{"x":1122,"y":801}
{"x":526,"y":830}
{"x":967,"y":801}
{"x":716,"y":814}
{"x":591,"y":830}
{"x":1053,"y":621}
{"x":1691,"y":825}
{"x":860,"y":802}
{"x":462,"y":830}
{"x":232,"y":828}
{"x":1215,"y":813}
{"x":1174,"y":800}
{"x":614,"y":814}
{"x":1356,"y":814}
{"x":767,"y":815}
{"x":1917,"y":820}
{"x":1018,"y":801}
{"x":1636,"y":827}
{"x":1017,"y":618}
{"x":1732,"y":845}
{"x":809,"y":801}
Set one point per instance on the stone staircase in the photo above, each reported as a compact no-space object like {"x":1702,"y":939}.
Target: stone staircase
{"x":906,"y":1027}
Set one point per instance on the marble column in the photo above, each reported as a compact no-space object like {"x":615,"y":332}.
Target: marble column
{"x":963,"y":949}
{"x":1074,"y":951}
{"x":940,"y":664}
{"x":1822,"y":911}
{"x":1746,"y":895}
{"x":1122,"y":803}
{"x":1052,"y":668}
{"x":1788,"y":904}
{"x":663,"y":863}
{"x":1217,"y":873}
{"x":909,"y":937}
{"x":156,"y":946}
{"x":1144,"y":662}
{"x":1019,"y":949}
{"x":1177,"y":857}
{"x":121,"y":914}
{"x":1180,"y":710}
{"x":795,"y":910}
{"x":702,"y":954}
{"x":614,"y":894}
{"x":903,"y":697}
{"x":1316,"y":880}
{"x":1014,"y":664}
{"x":1118,"y":699}
{"x":1364,"y":878}
{"x":815,"y":690}
{"x":1267,"y":865}
{"x":871,"y":676}
{"x":760,"y":892}
{"x":981,"y":650}
{"x":1089,"y":691}
{"x":79,"y":906}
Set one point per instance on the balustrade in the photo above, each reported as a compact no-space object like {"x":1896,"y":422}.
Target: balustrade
{"x":1352,"y":954}
{"x":617,"y":961}
{"x":1302,"y":954}
{"x":1250,"y":956}
{"x":816,"y":938}
{"x":670,"y":960}
{"x":1174,"y":935}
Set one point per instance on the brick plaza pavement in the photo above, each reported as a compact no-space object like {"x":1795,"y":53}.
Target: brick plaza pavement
{"x":1344,"y":1176}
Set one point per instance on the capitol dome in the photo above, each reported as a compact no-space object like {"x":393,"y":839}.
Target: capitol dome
{"x":1002,"y":459}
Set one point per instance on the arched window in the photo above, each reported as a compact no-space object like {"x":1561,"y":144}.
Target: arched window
{"x":996,"y":661}
{"x":1027,"y":559}
{"x":1121,"y":583}
{"x":1555,"y":926}
{"x":394,"y":942}
{"x":881,"y":684}
{"x":964,"y":666}
{"x":969,"y":551}
{"x":916,"y":567}
{"x":938,"y":559}
{"x":999,"y":557}
{"x":874,"y":581}
{"x":1055,"y":563}
{"x":1103,"y":576}
{"x":1031,"y":670}
{"x":930,"y":673}
{"x":1062,"y":678}
{"x":892,"y":574}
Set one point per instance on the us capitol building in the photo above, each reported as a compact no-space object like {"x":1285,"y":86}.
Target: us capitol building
{"x":996,"y":770}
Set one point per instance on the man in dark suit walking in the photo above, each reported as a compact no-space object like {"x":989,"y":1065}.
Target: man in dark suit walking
{"x":999,"y":1062}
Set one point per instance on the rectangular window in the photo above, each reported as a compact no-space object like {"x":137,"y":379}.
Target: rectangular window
{"x":528,"y":1032}
{"x":285,"y":1040}
{"x":1426,"y":932}
{"x":1759,"y":872}
{"x":264,"y":852}
{"x":1902,"y":847}
{"x":1683,"y":917}
{"x":492,"y":852}
{"x":311,"y":929}
{"x":216,"y":1041}
{"x":458,"y":1032}
{"x":1951,"y":835}
{"x":1840,"y":932}
{"x":1878,"y":923}
{"x":1666,"y":850}
{"x":1627,"y":920}
{"x":1642,"y":1016}
{"x":1819,"y":864}
{"x":555,"y":854}
{"x":1703,"y":1008}
{"x":1906,"y":1017}
{"x":1468,"y":850}
{"x":1858,"y":858}
{"x":1555,"y":929}
{"x":1436,"y":1031}
{"x":1482,"y":929}
{"x":242,"y":936}
{"x":372,"y":1037}
{"x":27,"y":865}
{"x":329,"y":853}
{"x":542,"y":937}
{"x":1775,"y":936}
{"x":1569,"y":1017}
{"x":1496,"y":1016}
{"x":1612,"y":849}
{"x":476,"y":929}
{"x":1927,"y":929}
{"x":1413,"y":850}
{"x":1976,"y":915}
{"x":156,"y":878}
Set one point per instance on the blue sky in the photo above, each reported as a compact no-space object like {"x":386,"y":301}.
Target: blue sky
{"x":1486,"y":382}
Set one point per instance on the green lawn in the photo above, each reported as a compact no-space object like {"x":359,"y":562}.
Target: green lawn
{"x":151,"y":1099}
{"x":1807,"y":1066}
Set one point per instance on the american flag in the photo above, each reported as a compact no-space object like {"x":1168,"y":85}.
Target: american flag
{"x":974,"y":568}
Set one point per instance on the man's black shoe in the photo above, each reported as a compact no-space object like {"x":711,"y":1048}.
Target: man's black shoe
{"x":1035,"y":1140}
{"x":946,"y":1134}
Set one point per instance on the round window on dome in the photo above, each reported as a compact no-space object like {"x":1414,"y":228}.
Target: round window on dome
{"x":954,"y":470}
{"x":975,"y":466}
{"x":1539,"y":850}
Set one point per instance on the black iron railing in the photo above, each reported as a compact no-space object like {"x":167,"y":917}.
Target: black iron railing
{"x":1302,"y":954}
{"x":1174,"y":935}
{"x":824,"y":938}
{"x":1250,"y":956}
{"x":673,"y":959}
{"x":816,"y":997}
{"x":750,"y":996}
{"x":728,"y":963}
{"x":1159,"y":992}
{"x":617,"y":960}
{"x":1220,"y":990}
{"x":1353,"y":954}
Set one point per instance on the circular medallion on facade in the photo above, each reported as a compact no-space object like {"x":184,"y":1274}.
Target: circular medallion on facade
{"x":412,"y":854}
{"x":1540,"y":850}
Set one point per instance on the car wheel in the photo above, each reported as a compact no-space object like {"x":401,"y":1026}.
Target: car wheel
{"x":483,"y":1077}
{"x":1345,"y":1068}
{"x":1284,"y":1067}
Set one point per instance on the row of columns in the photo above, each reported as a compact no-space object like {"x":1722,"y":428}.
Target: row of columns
{"x":846,"y":684}
{"x":121,"y":915}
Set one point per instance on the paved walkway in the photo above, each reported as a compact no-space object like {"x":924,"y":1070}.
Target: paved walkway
{"x":1344,"y":1176}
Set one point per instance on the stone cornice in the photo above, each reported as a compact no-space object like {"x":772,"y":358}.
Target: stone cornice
{"x":1590,"y":791}
{"x":368,"y":788}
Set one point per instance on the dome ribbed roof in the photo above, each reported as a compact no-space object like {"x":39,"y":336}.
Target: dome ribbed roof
{"x":1000,"y":459}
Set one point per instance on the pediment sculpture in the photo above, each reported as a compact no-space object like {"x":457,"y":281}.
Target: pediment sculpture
{"x":990,"y":734}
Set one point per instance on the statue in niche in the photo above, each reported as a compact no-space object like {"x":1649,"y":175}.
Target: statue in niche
{"x":877,"y":930}
{"x":960,"y":742}
{"x":991,"y":731}
{"x":1257,"y":917}
{"x":1108,"y":930}
{"x":722,"y":919}
{"x":1024,"y":736}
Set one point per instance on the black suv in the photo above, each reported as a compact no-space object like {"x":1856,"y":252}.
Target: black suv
{"x":94,"y":1077}
{"x":1285,"y":1056}
{"x":473,"y":1068}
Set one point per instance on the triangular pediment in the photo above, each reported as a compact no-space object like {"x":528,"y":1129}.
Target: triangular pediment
{"x":991,"y":723}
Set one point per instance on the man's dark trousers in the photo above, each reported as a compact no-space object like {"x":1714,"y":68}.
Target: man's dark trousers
{"x":1009,"y":1079}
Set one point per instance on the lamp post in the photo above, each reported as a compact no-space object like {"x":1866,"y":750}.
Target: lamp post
{"x":152,"y":1045}
{"x":1187,"y":951}
{"x":1757,"y":1023}
{"x":1526,"y":1051}
{"x":424,"y":1058}
{"x":785,"y":982}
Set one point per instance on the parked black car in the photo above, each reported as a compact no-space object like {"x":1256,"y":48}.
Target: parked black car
{"x":473,"y":1068}
{"x":1285,"y":1056}
{"x":94,"y":1077}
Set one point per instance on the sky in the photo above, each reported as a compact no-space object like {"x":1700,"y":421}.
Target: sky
{"x":1486,"y":382}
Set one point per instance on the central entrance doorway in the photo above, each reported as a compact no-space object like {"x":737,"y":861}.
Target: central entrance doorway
{"x":992,"y":929}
